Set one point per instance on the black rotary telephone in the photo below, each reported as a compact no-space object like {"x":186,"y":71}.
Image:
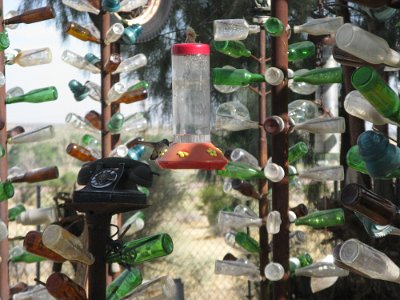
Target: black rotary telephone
{"x":113,"y":179}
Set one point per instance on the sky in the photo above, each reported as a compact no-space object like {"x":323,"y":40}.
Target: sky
{"x":57,"y":73}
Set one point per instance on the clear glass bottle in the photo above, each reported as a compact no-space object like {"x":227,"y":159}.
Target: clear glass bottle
{"x":38,"y":292}
{"x":79,"y":62}
{"x":274,"y":76}
{"x":80,"y":32}
{"x":124,"y":284}
{"x":233,"y":116}
{"x":302,"y":88}
{"x":301,"y":50}
{"x":78,"y":122}
{"x":159,"y":288}
{"x":94,"y":90}
{"x":135,"y":122}
{"x":34,"y":57}
{"x":335,"y":173}
{"x":14,"y":92}
{"x":322,"y":218}
{"x":323,"y":125}
{"x":114,"y":33}
{"x":365,"y":45}
{"x":235,"y":49}
{"x":66,"y":244}
{"x":119,"y":151}
{"x":115,"y":92}
{"x":129,"y":5}
{"x":36,"y":96}
{"x":93,"y":59}
{"x":321,"y":26}
{"x":131,"y":64}
{"x":233,"y":29}
{"x":3,"y":231}
{"x":237,"y":268}
{"x":81,"y":5}
{"x":320,"y":76}
{"x":236,"y":221}
{"x":321,"y":269}
{"x":274,"y":271}
{"x":38,"y":216}
{"x":135,"y":223}
{"x":9,"y":15}
{"x":273,"y":171}
{"x":273,"y":222}
{"x":36,"y":135}
{"x":239,"y":154}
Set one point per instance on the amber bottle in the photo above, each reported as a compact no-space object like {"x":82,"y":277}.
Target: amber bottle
{"x":61,"y":287}
{"x":37,"y":175}
{"x":94,"y":118}
{"x":33,"y":243}
{"x":112,"y":63}
{"x":133,"y":96}
{"x":80,"y":32}
{"x":32,"y":16}
{"x":79,"y":152}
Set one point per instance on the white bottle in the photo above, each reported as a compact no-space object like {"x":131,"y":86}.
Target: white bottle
{"x":38,"y":216}
{"x":114,"y":33}
{"x":243,"y":156}
{"x":274,"y":76}
{"x":131,"y":64}
{"x":321,"y":26}
{"x":365,"y":45}
{"x":34,"y":57}
{"x":78,"y":62}
{"x":233,"y":29}
{"x":81,"y":5}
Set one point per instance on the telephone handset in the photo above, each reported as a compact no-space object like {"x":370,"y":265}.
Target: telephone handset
{"x":113,"y":179}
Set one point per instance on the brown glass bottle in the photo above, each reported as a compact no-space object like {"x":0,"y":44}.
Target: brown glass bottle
{"x":112,"y":63}
{"x":33,"y":243}
{"x":347,"y":59}
{"x":32,"y":16}
{"x":300,"y":210}
{"x":133,"y":96}
{"x":37,"y":175}
{"x":94,"y":118}
{"x":80,"y":32}
{"x":373,"y":206}
{"x":370,"y":3}
{"x":18,"y":288}
{"x":14,"y":131}
{"x":61,"y":287}
{"x":80,"y":152}
{"x":245,"y":188}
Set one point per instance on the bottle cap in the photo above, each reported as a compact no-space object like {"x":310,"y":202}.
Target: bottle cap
{"x":191,"y":49}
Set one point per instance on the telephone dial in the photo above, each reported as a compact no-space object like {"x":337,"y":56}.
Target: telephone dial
{"x":113,"y":179}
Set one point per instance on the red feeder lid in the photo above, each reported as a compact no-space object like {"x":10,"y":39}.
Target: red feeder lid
{"x":190,"y":49}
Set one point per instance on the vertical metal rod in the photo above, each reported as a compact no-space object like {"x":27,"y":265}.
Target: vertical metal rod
{"x":4,"y":280}
{"x":38,"y":204}
{"x":263,"y":155}
{"x":280,"y":190}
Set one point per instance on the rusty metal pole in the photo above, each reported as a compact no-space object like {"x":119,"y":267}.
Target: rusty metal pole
{"x":280,"y":190}
{"x":4,"y":280}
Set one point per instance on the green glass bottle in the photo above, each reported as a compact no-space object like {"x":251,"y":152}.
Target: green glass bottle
{"x":125,"y":283}
{"x":15,"y":211}
{"x":274,"y":27}
{"x":116,"y":122}
{"x":368,"y":82}
{"x":321,"y":76}
{"x":247,"y":242}
{"x":142,"y":84}
{"x":297,"y":151}
{"x":79,"y":90}
{"x":144,"y":249}
{"x":6,"y":190}
{"x":355,"y":161}
{"x":233,"y":49}
{"x":89,"y":141}
{"x":301,"y":50}
{"x":305,"y":259}
{"x":18,"y":254}
{"x":239,"y":170}
{"x":36,"y":96}
{"x":2,"y":151}
{"x":322,"y":218}
{"x":237,"y":77}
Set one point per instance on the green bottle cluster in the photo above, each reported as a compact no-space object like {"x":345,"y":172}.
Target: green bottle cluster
{"x":322,"y":218}
{"x":238,"y":170}
{"x":125,"y":283}
{"x":235,"y":49}
{"x":36,"y":96}
{"x":237,"y":77}
{"x":321,"y":76}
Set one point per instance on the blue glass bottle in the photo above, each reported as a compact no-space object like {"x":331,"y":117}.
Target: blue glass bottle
{"x":381,"y":157}
{"x":111,"y":5}
{"x":131,"y":34}
{"x":78,"y":89}
{"x":136,"y":152}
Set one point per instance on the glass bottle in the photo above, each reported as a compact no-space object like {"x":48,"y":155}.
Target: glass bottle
{"x":78,"y":122}
{"x":323,"y":125}
{"x":321,"y":269}
{"x":245,"y":188}
{"x":94,"y":119}
{"x":233,"y":49}
{"x":301,"y":50}
{"x":368,"y":82}
{"x":129,"y":5}
{"x":19,"y":287}
{"x":321,"y":76}
{"x":3,"y":231}
{"x":136,"y":152}
{"x":36,"y":175}
{"x":6,"y":190}
{"x":236,"y":221}
{"x":274,"y":27}
{"x":144,"y":249}
{"x":89,"y":141}
{"x":80,"y":32}
{"x":61,"y":286}
{"x":356,"y":105}
{"x":239,"y":170}
{"x":322,"y":218}
{"x":78,"y":89}
{"x":81,"y":5}
{"x":134,"y":222}
{"x":369,"y":261}
{"x":80,"y":153}
{"x":38,"y":216}
{"x":274,"y":76}
{"x":273,"y":222}
{"x":241,"y":77}
{"x":131,"y":34}
{"x":233,"y":116}
{"x":275,"y":125}
{"x":114,"y":33}
{"x":36,"y":96}
{"x":18,"y":254}
{"x":112,"y":63}
{"x":116,"y":123}
{"x":124,"y":284}
{"x":9,"y":15}
{"x":241,"y":155}
{"x":233,"y":29}
{"x":274,"y":271}
{"x":94,"y":90}
{"x":380,"y":156}
{"x":335,"y":173}
{"x":66,"y":244}
{"x":242,"y":241}
{"x":119,"y":151}
{"x":131,"y":64}
{"x":111,"y":5}
{"x":273,"y":171}
{"x":297,"y":151}
{"x":93,"y":29}
{"x":162,"y":287}
{"x":32,"y":16}
{"x":321,"y":26}
{"x":36,"y":135}
{"x":344,"y":58}
{"x":135,"y":122}
{"x":15,"y":211}
{"x":93,"y":59}
{"x":15,"y":131}
{"x":237,"y":268}
{"x":14,"y":92}
{"x":2,"y":150}
{"x":33,"y":57}
{"x":79,"y":62}
{"x":38,"y":292}
{"x":302,"y":88}
{"x":115,"y":92}
{"x":131,"y":96}
{"x":365,"y":45}
{"x":33,"y":244}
